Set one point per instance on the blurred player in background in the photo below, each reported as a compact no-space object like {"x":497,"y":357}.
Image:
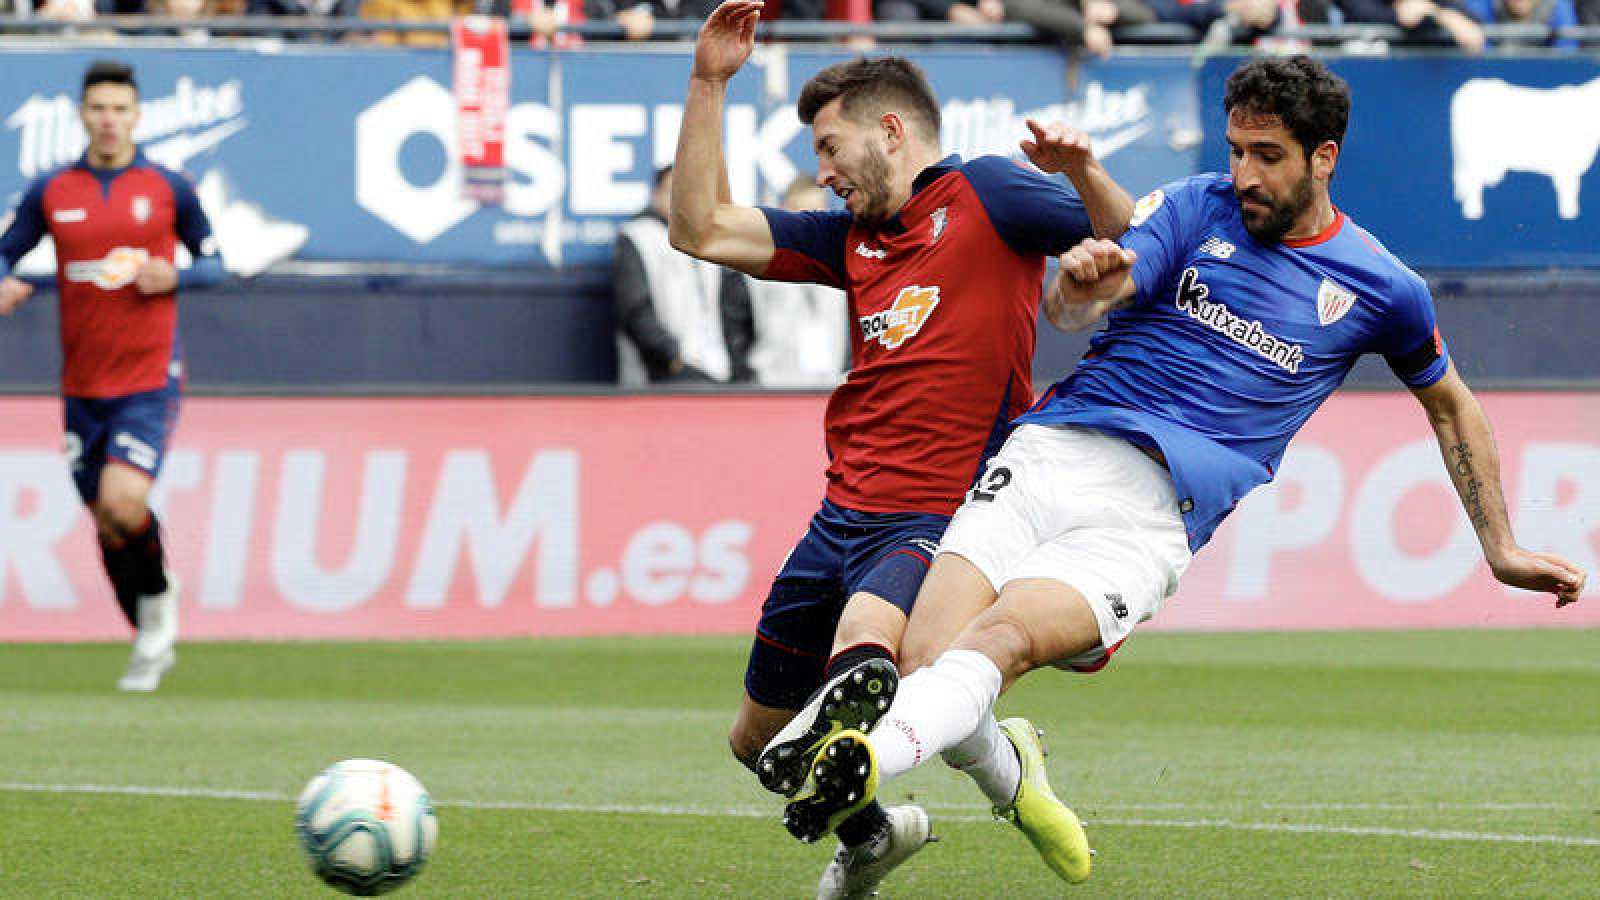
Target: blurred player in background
{"x":116,"y":219}
{"x":942,"y":261}
{"x":1237,"y":304}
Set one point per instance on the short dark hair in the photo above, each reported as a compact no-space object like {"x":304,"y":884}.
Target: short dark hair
{"x":107,"y":71}
{"x":870,"y":86}
{"x":1313,"y":103}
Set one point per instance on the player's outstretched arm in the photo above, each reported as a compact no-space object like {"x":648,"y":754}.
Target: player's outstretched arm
{"x":1095,"y":278}
{"x":704,"y":221}
{"x":1056,"y":148}
{"x":1467,"y":442}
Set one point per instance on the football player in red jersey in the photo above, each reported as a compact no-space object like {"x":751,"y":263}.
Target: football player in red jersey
{"x":942,"y":261}
{"x":116,"y":219}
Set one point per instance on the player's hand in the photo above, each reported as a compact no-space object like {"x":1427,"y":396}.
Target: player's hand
{"x":1544,"y":572}
{"x":12,"y":292}
{"x":156,"y":276}
{"x":1057,"y":148}
{"x":726,"y":39}
{"x":1093,"y":270}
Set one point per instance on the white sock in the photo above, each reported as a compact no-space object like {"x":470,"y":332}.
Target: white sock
{"x":990,"y":759}
{"x":935,"y":708}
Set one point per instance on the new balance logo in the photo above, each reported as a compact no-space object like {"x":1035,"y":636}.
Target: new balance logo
{"x":1217,"y":247}
{"x":866,"y":252}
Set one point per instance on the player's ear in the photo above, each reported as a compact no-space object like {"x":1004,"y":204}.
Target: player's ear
{"x":1323,"y":160}
{"x":894,"y":131}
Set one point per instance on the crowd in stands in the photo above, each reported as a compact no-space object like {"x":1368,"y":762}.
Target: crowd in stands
{"x":1087,"y":24}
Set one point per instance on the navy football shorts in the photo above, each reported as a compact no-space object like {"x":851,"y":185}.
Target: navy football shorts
{"x":132,"y":430}
{"x":843,"y":552}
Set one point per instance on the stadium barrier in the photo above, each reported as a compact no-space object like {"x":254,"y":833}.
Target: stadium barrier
{"x":489,"y":517}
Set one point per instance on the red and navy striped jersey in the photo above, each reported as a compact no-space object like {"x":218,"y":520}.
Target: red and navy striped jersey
{"x":106,"y":223}
{"x":944,"y":295}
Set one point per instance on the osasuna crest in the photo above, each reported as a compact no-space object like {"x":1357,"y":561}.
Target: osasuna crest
{"x":141,"y":209}
{"x":939,"y":217}
{"x":1333,"y":302}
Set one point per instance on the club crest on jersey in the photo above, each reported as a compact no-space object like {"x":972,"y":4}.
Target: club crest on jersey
{"x":118,"y":269}
{"x":940,"y":217}
{"x":141,"y":209}
{"x":902,"y":320}
{"x":1333,"y":302}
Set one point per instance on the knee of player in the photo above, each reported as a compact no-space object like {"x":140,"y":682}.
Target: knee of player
{"x":120,"y":514}
{"x":1007,"y":640}
{"x":916,"y":654}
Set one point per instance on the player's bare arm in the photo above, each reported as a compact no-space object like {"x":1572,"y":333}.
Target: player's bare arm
{"x":1056,"y":148}
{"x":1095,"y":278}
{"x":1467,"y":442}
{"x":13,"y":291}
{"x":704,"y":221}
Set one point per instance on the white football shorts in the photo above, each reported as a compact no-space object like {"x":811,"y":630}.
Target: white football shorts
{"x":1083,"y":508}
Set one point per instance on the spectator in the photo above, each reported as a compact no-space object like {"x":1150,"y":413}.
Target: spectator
{"x":678,"y":319}
{"x":1425,"y":20}
{"x":1244,"y":20}
{"x":408,"y":11}
{"x":638,"y":17}
{"x":1085,"y":23}
{"x":303,"y":8}
{"x":802,"y":330}
{"x":1554,"y":13}
{"x":979,"y":12}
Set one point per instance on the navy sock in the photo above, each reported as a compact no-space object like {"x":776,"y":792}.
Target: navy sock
{"x":136,"y":565}
{"x":148,"y":558}
{"x":854,"y":655}
{"x":863,"y":826}
{"x":115,"y":558}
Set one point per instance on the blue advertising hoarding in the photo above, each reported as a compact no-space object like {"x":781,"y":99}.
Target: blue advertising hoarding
{"x":1462,"y":163}
{"x":348,"y":153}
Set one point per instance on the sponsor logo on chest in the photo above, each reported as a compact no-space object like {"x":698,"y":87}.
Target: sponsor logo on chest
{"x":117,"y":270}
{"x":1192,"y":297}
{"x":903,"y":319}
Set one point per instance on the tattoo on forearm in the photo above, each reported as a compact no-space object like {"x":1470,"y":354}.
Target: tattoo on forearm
{"x":1471,"y":487}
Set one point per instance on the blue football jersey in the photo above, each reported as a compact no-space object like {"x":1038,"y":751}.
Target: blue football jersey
{"x":1229,"y":346}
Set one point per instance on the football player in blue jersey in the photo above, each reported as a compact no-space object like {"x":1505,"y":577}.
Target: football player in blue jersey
{"x":1234,"y":305}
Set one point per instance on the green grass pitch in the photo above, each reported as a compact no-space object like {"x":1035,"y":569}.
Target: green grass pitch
{"x":1352,"y":765}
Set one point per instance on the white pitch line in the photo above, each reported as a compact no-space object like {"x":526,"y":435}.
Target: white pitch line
{"x":755,"y":813}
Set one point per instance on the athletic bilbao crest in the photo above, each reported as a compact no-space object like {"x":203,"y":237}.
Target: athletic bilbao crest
{"x":901,"y":321}
{"x":141,"y":209}
{"x":1333,"y":302}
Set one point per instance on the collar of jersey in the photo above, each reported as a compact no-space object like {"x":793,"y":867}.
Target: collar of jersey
{"x":138,"y":160}
{"x":924,"y":178}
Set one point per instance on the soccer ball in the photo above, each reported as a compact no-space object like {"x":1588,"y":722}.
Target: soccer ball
{"x":367,"y":826}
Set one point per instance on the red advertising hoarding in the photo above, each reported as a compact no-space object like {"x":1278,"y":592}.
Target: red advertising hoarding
{"x":458,"y":517}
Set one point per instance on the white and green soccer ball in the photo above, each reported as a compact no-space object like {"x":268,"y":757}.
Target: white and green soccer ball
{"x":367,"y":826}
